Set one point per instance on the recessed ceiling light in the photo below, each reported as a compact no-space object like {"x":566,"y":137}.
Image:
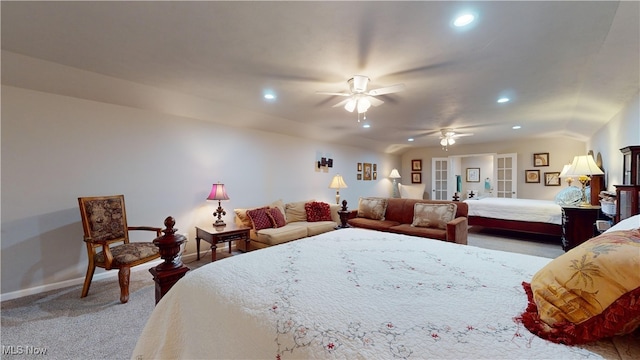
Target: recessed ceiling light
{"x":464,"y":20}
{"x":366,"y":126}
{"x":503,"y":100}
{"x":516,"y":127}
{"x":410,"y":139}
{"x":269,"y":96}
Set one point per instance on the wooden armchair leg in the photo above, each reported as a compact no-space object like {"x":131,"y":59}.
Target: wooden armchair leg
{"x":91,"y":268}
{"x":123,"y":278}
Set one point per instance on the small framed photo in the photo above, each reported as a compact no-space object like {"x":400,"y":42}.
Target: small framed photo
{"x":375,"y":175}
{"x":473,"y":174}
{"x":416,"y":178}
{"x":367,"y":171}
{"x":541,"y":159}
{"x":416,"y":165}
{"x":552,"y":179}
{"x":359,"y":176}
{"x":359,"y":167}
{"x":532,"y":176}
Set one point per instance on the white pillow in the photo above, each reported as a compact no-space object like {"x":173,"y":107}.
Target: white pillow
{"x":629,"y":223}
{"x":412,"y":191}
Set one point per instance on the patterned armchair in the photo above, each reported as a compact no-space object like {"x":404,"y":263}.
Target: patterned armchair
{"x":106,"y":235}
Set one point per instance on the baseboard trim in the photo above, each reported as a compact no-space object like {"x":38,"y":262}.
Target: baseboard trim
{"x":72,"y":282}
{"x":79,"y":281}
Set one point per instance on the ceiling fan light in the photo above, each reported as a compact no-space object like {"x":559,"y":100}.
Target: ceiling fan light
{"x":443,"y":142}
{"x":350,"y":105}
{"x":363,"y":105}
{"x":451,"y":141}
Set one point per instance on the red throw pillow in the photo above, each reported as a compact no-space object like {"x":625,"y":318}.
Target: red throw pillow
{"x":277,"y":218}
{"x":317,"y":211}
{"x":260,"y":219}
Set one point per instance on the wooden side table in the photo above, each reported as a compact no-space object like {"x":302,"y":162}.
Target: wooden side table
{"x":577,"y":225}
{"x":216,"y":235}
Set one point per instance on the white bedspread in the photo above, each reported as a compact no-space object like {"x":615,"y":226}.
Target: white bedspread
{"x":545,"y":211}
{"x":354,"y":294}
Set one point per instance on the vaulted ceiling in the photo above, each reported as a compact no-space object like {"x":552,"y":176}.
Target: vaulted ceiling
{"x":567,"y":67}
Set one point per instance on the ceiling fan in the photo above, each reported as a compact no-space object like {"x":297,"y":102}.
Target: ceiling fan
{"x":359,"y":98}
{"x":448,"y":137}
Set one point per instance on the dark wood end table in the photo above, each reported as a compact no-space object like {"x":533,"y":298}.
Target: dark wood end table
{"x":216,"y":235}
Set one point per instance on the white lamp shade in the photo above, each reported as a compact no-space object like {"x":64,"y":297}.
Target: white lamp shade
{"x":350,"y":105}
{"x":394,"y":174}
{"x":363,"y":105}
{"x":583,"y":165}
{"x":337,"y":183}
{"x":218,"y":192}
{"x":443,"y":142}
{"x":565,"y":171}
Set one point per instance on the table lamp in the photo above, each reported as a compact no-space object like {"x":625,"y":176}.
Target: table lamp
{"x":583,"y":167}
{"x":395,"y":176}
{"x":337,"y":183}
{"x":564,"y":174}
{"x":218,"y":192}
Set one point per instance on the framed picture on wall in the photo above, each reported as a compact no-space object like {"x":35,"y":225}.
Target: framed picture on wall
{"x":473,"y":174}
{"x":359,"y":167}
{"x":359,"y":176}
{"x":532,"y":176}
{"x":416,"y":178}
{"x":541,"y":159}
{"x":375,"y":175}
{"x":416,"y":165}
{"x":366,"y":168}
{"x":552,"y":179}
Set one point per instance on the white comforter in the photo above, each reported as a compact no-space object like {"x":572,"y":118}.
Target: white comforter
{"x":354,"y":294}
{"x":545,"y":211}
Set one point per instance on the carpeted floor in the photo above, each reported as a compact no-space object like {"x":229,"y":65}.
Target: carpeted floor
{"x":60,"y":325}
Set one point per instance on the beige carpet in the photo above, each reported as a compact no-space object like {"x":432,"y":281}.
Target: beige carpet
{"x":63,"y":326}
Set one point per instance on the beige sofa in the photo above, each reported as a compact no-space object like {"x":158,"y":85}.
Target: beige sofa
{"x":296,"y":226}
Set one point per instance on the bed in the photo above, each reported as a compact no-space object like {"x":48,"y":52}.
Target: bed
{"x":524,"y":215}
{"x":355,"y":294}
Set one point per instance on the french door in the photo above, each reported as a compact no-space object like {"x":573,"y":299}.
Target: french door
{"x":439,"y":178}
{"x":506,"y":176}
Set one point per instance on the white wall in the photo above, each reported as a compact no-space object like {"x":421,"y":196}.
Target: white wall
{"x":58,"y":148}
{"x":621,"y":131}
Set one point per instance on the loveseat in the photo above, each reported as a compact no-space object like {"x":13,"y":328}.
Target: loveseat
{"x":436,"y":219}
{"x":277,"y":223}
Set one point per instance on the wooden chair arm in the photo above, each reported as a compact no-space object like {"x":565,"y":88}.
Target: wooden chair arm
{"x":108,"y":257}
{"x":147,"y":228}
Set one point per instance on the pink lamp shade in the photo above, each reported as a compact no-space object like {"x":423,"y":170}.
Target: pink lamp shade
{"x":218,"y":192}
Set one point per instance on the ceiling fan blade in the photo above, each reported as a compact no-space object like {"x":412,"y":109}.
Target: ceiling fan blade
{"x":341,"y":103}
{"x":332,"y":93}
{"x":387,"y":90}
{"x":461,"y":135}
{"x":374,"y":101}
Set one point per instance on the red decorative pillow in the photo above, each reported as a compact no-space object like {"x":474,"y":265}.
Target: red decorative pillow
{"x":318,"y":211}
{"x":260,"y":218}
{"x":277,"y":218}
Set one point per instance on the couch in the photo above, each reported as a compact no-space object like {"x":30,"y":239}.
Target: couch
{"x":436,"y":219}
{"x":299,"y":220}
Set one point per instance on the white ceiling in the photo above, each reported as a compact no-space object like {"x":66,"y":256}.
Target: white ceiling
{"x":569,"y":67}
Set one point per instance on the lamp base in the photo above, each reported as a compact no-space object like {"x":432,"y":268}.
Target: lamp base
{"x":219,"y":222}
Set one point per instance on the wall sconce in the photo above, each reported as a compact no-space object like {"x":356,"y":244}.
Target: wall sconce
{"x":325,"y":162}
{"x":218,"y":192}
